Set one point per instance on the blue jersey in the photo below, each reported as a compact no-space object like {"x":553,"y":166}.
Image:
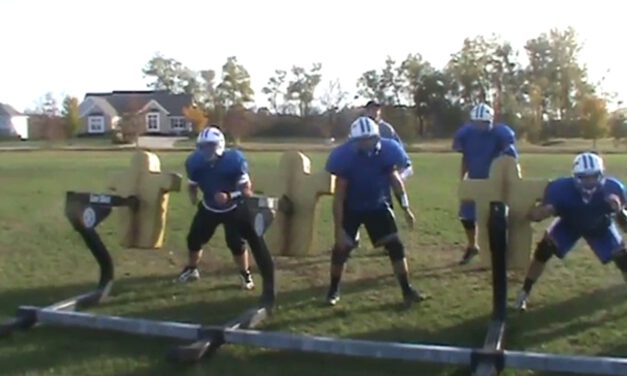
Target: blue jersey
{"x":585,"y":218}
{"x":225,"y":174}
{"x":368,"y":175}
{"x":480,"y":147}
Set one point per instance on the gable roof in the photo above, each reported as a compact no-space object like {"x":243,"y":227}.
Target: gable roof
{"x":133,"y":101}
{"x":7,"y":110}
{"x":102,"y":104}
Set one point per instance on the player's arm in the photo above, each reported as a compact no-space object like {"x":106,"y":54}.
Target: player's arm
{"x":399,"y":190}
{"x":617,"y":200}
{"x":548,"y":207}
{"x":541,"y":212}
{"x":192,"y":181}
{"x":244,"y":184}
{"x":463,"y":169}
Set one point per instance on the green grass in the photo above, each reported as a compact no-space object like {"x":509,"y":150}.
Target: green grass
{"x":578,"y":307}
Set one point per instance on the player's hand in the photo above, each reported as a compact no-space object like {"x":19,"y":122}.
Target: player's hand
{"x":615,"y":203}
{"x":410,"y":218}
{"x":221,"y":198}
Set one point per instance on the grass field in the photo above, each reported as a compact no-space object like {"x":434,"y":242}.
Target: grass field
{"x":578,"y":307}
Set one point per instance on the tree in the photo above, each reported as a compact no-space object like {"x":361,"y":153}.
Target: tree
{"x":164,"y":72}
{"x":334,"y":96}
{"x":370,"y":85}
{"x":555,"y":69}
{"x":171,"y":75}
{"x":129,"y":128}
{"x":392,"y":82}
{"x":235,"y":87}
{"x":237,"y":122}
{"x":71,"y":116}
{"x":617,"y":125}
{"x":276,"y":89}
{"x":411,"y":73}
{"x":386,"y":86}
{"x":468,"y":68}
{"x":429,"y":98}
{"x":302,"y":86}
{"x":593,"y":118}
{"x":197,"y":117}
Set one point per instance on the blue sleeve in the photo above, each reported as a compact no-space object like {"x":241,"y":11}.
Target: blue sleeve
{"x":458,"y":139}
{"x":336,"y":163}
{"x":507,"y":138}
{"x":241,"y":169}
{"x":552,"y":194}
{"x":398,"y":156}
{"x":614,"y":186}
{"x":192,"y":168}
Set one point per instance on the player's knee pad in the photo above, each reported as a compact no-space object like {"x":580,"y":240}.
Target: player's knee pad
{"x":396,"y":250}
{"x":339,"y":256}
{"x":468,"y":224}
{"x":620,"y":259}
{"x":545,"y":250}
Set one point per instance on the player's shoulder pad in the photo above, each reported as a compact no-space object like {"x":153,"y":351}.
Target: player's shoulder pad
{"x":234,"y":156}
{"x":464,"y":129}
{"x":615,"y":183}
{"x":556,"y":187}
{"x":505,"y":132}
{"x":390,"y":144}
{"x":194,"y":159}
{"x":339,"y":152}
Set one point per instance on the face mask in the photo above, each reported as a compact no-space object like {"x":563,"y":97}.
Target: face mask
{"x":367,"y":145}
{"x":208,"y":150}
{"x":588,"y":184}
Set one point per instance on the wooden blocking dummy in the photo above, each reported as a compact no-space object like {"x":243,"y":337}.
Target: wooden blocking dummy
{"x":298,"y":188}
{"x":505,"y":184}
{"x":144,"y":228}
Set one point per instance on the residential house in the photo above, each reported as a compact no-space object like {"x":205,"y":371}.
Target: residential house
{"x":12,"y":122}
{"x":160,"y":110}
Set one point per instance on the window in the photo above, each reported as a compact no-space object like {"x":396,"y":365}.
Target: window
{"x":152,"y":122}
{"x":178,"y":123}
{"x":95,"y":124}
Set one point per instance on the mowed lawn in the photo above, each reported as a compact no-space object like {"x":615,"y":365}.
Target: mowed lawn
{"x":579,"y":307}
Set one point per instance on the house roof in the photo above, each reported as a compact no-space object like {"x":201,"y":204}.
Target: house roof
{"x":133,"y":101}
{"x":7,"y":110}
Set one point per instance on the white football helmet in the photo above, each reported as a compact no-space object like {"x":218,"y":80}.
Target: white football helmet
{"x":588,"y":171}
{"x":482,"y":112}
{"x":211,"y":140}
{"x":364,"y":127}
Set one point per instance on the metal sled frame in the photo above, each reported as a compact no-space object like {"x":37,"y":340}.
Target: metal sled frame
{"x":489,"y":360}
{"x":85,"y":211}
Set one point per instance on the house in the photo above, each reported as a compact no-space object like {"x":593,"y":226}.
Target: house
{"x":160,"y":111}
{"x":12,"y":122}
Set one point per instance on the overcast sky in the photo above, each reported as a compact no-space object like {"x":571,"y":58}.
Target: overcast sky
{"x":73,"y":47}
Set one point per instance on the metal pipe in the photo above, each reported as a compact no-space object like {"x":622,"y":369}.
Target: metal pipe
{"x":350,"y":347}
{"x":155,"y":328}
{"x":586,"y":365}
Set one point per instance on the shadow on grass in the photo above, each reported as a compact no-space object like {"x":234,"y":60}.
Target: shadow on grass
{"x":43,"y":348}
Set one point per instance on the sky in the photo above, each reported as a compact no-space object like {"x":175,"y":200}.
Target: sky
{"x":74,"y":47}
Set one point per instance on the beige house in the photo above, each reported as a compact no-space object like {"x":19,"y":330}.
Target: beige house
{"x":161,"y":111}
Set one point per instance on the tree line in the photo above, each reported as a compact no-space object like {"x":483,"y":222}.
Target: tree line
{"x":549,"y":95}
{"x":542,"y":91}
